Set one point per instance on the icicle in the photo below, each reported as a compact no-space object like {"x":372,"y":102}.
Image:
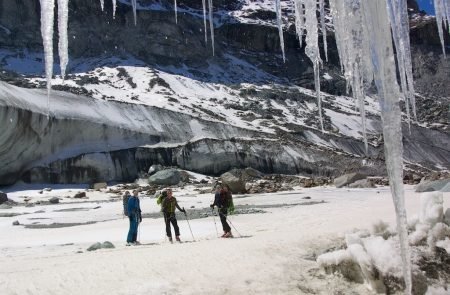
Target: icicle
{"x":280,"y":27}
{"x":323,"y":27}
{"x":204,"y":20}
{"x":299,"y":20}
{"x":133,"y":4}
{"x":175,"y":8}
{"x":114,"y":5}
{"x":63,"y":17}
{"x":382,"y":56}
{"x":211,"y":24}
{"x":398,"y":15}
{"x":441,"y":8}
{"x":312,"y":49}
{"x":47,"y":19}
{"x":102,"y":4}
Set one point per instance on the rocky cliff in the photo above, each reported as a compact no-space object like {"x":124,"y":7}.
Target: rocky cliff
{"x":154,"y":93}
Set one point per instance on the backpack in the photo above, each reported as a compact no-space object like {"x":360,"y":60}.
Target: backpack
{"x":230,"y":205}
{"x":161,"y":199}
{"x":125,"y":204}
{"x":227,"y":200}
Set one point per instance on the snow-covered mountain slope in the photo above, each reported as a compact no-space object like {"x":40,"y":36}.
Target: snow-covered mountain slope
{"x":155,"y":94}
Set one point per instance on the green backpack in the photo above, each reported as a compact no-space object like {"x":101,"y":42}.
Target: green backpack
{"x":161,"y":198}
{"x":230,"y":205}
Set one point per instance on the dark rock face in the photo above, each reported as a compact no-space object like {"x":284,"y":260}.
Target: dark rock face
{"x":165,"y":177}
{"x":3,"y":197}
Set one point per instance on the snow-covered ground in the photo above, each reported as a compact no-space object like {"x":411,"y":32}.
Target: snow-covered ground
{"x":275,"y":255}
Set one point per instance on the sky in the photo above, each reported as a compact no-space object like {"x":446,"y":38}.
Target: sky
{"x":426,"y":5}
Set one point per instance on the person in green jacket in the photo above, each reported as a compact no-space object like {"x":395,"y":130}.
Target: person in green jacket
{"x":168,"y":206}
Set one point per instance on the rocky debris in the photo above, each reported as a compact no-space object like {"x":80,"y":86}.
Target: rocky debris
{"x":99,"y":186}
{"x":442,"y":185}
{"x":54,"y":200}
{"x":362,"y":183}
{"x":80,"y":195}
{"x":3,"y":197}
{"x":98,"y":245}
{"x":107,"y":245}
{"x":155,"y":168}
{"x":166,"y":177}
{"x":347,"y":179}
{"x":95,"y":247}
{"x":16,"y":222}
{"x":5,"y":206}
{"x":47,"y":189}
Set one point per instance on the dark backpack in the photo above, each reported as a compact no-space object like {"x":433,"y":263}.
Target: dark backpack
{"x":125,"y":204}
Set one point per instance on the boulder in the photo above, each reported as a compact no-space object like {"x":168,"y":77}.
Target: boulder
{"x":107,"y":245}
{"x":54,"y":200}
{"x":348,"y":179}
{"x":16,"y":222}
{"x":99,"y":185}
{"x":80,"y":195}
{"x":155,"y":168}
{"x":3,"y":197}
{"x":362,"y":183}
{"x":442,"y":185}
{"x":165,"y":177}
{"x":94,"y":247}
{"x":235,"y":183}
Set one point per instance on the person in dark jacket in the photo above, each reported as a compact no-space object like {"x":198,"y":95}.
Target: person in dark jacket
{"x":135,"y":217}
{"x":168,"y":208}
{"x":222,"y":199}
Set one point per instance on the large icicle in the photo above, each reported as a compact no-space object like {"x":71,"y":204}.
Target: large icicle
{"x":47,"y":19}
{"x":382,"y":55}
{"x":352,"y":47}
{"x":398,"y":15}
{"x":280,"y":27}
{"x":114,"y":5}
{"x":323,"y":27}
{"x":442,"y":9}
{"x":312,"y":48}
{"x":211,"y":24}
{"x":299,"y":20}
{"x":102,"y":4}
{"x":63,"y":17}
{"x":204,"y":20}
{"x":133,"y":4}
{"x":176,"y":12}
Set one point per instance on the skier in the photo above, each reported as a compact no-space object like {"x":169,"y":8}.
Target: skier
{"x":168,"y":208}
{"x":135,"y":217}
{"x":222,"y":200}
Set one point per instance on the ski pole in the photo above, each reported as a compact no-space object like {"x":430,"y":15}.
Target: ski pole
{"x":187,"y":219}
{"x":228,"y":219}
{"x":215,"y":224}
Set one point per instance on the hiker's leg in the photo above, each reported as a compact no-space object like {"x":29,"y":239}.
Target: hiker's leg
{"x":175,"y":226}
{"x":136,"y":232}
{"x":130,"y":231}
{"x":223,"y":220}
{"x":167,"y":221}
{"x":226,"y":226}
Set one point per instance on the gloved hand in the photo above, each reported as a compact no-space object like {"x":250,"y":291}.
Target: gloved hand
{"x":212,"y":206}
{"x":183,"y":210}
{"x":140,"y":219}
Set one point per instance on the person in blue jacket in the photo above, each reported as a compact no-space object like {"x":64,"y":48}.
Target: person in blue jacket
{"x":135,"y":217}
